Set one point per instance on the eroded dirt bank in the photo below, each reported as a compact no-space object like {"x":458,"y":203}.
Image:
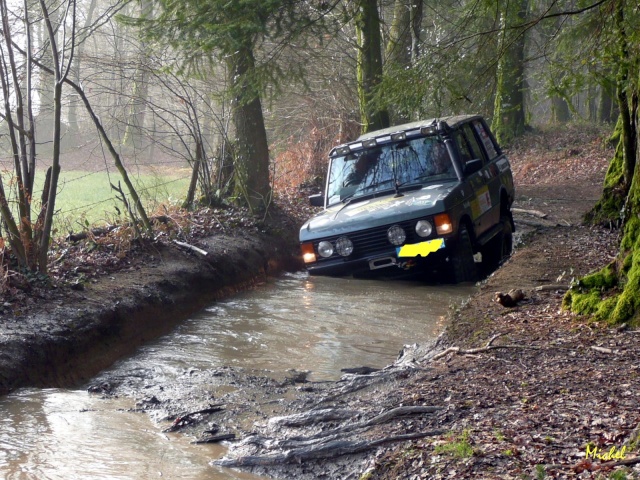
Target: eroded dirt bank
{"x":76,"y":332}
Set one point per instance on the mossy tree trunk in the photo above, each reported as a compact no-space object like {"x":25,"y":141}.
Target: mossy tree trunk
{"x":508,"y":114}
{"x":369,"y":64}
{"x":620,"y":174}
{"x":403,"y":45}
{"x":613,"y":293}
{"x":607,"y":211}
{"x":251,"y":149}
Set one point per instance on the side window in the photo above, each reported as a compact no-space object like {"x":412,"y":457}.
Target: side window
{"x":486,"y":140}
{"x":475,"y":149}
{"x":463,"y":148}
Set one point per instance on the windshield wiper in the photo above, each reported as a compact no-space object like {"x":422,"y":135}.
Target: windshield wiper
{"x":408,"y":185}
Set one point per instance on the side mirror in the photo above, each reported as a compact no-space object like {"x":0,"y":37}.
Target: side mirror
{"x":316,"y":200}
{"x":472,"y":166}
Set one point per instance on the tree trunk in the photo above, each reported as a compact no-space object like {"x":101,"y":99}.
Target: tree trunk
{"x":369,"y":65}
{"x":508,"y":114}
{"x":74,"y":99}
{"x":605,"y":105}
{"x":133,"y":135}
{"x":251,"y":150}
{"x":195,"y":172}
{"x":560,"y":110}
{"x":627,"y":101}
{"x":416,"y":27}
{"x":402,"y":48}
{"x":45,"y":84}
{"x":398,"y":51}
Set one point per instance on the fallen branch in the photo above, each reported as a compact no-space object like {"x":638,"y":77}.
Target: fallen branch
{"x":328,"y":450}
{"x":539,"y":223}
{"x":603,"y":350}
{"x":472,"y":351}
{"x":184,"y":420}
{"x":621,"y":463}
{"x":535,"y":213}
{"x":193,"y":248}
{"x":94,"y":232}
{"x":475,"y":351}
{"x":215,"y":438}
{"x":552,"y":288}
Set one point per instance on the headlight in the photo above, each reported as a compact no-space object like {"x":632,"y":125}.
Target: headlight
{"x":396,"y":235}
{"x":344,"y":246}
{"x":424,"y":228}
{"x":325,"y":249}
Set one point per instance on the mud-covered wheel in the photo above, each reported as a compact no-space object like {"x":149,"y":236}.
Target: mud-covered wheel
{"x":463,"y":267}
{"x":499,"y":248}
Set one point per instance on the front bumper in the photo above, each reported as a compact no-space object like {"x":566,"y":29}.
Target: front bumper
{"x":432,"y":253}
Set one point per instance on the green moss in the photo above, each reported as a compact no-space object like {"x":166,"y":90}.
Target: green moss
{"x":607,"y":209}
{"x":631,"y":231}
{"x":586,"y":298}
{"x":628,"y":305}
{"x":603,"y":279}
{"x":605,"y":308}
{"x":583,"y":303}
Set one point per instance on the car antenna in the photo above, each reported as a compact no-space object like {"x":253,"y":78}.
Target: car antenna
{"x":396,"y":184}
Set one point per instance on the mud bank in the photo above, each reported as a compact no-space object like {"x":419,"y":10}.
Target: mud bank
{"x":77,"y":333}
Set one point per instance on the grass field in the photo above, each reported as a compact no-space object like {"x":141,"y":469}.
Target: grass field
{"x":87,"y":199}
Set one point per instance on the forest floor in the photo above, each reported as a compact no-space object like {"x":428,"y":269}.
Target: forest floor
{"x":521,"y":392}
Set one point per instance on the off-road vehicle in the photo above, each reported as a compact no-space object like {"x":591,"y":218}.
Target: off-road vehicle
{"x":434,"y":195}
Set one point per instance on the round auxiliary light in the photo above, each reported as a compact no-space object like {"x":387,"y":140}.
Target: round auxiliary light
{"x":396,"y":235}
{"x":344,"y":246}
{"x":325,"y":249}
{"x":424,"y":228}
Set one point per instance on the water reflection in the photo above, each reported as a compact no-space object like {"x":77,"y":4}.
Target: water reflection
{"x":62,"y":434}
{"x":319,"y":324}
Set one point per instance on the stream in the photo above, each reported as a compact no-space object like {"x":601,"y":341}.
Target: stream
{"x":319,"y":324}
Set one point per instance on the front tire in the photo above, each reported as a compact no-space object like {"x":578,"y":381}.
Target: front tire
{"x":463,"y":266}
{"x":499,"y":248}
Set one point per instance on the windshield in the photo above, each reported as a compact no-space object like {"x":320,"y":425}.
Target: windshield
{"x":384,"y":167}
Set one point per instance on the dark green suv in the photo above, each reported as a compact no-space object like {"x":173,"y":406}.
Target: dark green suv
{"x":428,"y":195}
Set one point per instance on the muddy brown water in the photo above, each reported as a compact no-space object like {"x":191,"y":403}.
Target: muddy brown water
{"x":306,"y":323}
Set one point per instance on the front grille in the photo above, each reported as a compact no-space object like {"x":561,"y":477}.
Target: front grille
{"x":374,"y":241}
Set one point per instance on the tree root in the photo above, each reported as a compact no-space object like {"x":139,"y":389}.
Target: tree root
{"x":312,"y":417}
{"x":326,"y":450}
{"x":359,"y":382}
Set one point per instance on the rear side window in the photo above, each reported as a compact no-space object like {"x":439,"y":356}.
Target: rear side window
{"x":486,"y":139}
